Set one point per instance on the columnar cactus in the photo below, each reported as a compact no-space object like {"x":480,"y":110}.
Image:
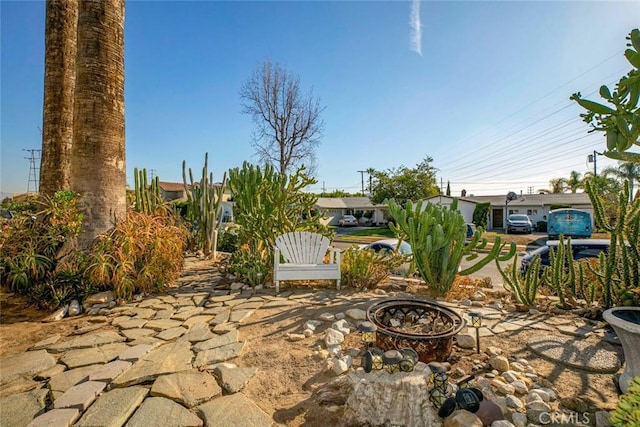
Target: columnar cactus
{"x":148,"y":198}
{"x":619,"y":270}
{"x":437,"y":237}
{"x":204,"y":205}
{"x":525,"y":288}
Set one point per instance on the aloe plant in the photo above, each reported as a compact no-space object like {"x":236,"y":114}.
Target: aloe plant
{"x":204,"y":206}
{"x":437,"y":237}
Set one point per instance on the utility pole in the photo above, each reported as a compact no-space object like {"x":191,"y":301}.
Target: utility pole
{"x":362,"y":179}
{"x":594,"y":158}
{"x":152,"y":173}
{"x":33,"y":169}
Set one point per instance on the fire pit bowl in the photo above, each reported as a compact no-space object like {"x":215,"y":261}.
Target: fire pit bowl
{"x":424,"y":326}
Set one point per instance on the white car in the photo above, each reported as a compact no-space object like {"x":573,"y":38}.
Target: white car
{"x":390,"y":245}
{"x":348,"y":220}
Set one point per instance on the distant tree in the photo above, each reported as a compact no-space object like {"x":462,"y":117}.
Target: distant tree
{"x":288,"y":123}
{"x":557,"y":185}
{"x":625,"y":171}
{"x":338,"y":193}
{"x":621,"y":120}
{"x":608,"y":188}
{"x":448,"y":189}
{"x":370,"y":171}
{"x":403,"y":183}
{"x":574,"y":183}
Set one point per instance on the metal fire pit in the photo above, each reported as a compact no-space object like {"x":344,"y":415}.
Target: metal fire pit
{"x":425,"y":326}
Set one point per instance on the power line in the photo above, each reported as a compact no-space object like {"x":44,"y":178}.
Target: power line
{"x":34,"y":155}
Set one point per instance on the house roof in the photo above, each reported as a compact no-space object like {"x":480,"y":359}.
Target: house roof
{"x":439,"y":197}
{"x":345,"y":203}
{"x":575,"y":199}
{"x":171,"y":186}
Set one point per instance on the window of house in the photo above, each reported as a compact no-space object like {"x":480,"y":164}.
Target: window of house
{"x":532,"y":212}
{"x":513,"y":211}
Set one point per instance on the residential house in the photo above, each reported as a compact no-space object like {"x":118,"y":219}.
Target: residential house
{"x":336,"y":207}
{"x":174,"y":191}
{"x":536,"y":206}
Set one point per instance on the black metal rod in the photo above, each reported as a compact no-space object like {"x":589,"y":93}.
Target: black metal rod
{"x":478,"y":340}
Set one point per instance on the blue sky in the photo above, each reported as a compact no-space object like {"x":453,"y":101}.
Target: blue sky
{"x":484,"y":89}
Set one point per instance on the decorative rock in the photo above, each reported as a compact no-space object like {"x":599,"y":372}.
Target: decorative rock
{"x":312,"y":324}
{"x":356,"y":314}
{"x":80,"y":396}
{"x":602,"y":418}
{"x":307,"y":333}
{"x":574,"y":404}
{"x":112,"y":409}
{"x":503,"y":388}
{"x":514,"y":402}
{"x":188,"y":388}
{"x":342,"y":326}
{"x":493,"y":351}
{"x":100,"y":298}
{"x":234,"y":379}
{"x":339,"y":366}
{"x":333,"y":337}
{"x":520,"y":387}
{"x":466,"y":341}
{"x":501,"y":423}
{"x":478,"y":296}
{"x":74,"y":308}
{"x":489,"y":412}
{"x":340,"y":316}
{"x":233,"y":411}
{"x":166,"y":359}
{"x":56,"y":417}
{"x":462,"y":418}
{"x":510,"y":376}
{"x":155,"y":411}
{"x":57,"y":315}
{"x":500,"y":363}
{"x":327,"y":317}
{"x":519,"y":420}
{"x":20,"y":409}
{"x":465,"y":303}
{"x":296,"y":337}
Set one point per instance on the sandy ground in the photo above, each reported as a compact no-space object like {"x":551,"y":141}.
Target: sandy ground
{"x":288,"y":371}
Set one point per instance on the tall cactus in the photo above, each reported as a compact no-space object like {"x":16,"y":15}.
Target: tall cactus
{"x":204,"y":204}
{"x":437,"y":237}
{"x":561,"y":274}
{"x":148,"y":197}
{"x":525,"y":288}
{"x":618,"y":271}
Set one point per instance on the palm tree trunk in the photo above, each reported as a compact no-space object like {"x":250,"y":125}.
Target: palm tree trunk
{"x":59,"y":83}
{"x":98,"y":160}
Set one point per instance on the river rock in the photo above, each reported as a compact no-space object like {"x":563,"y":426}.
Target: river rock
{"x":500,"y":363}
{"x":57,"y":315}
{"x":100,"y":298}
{"x":466,"y":341}
{"x":333,"y":337}
{"x":74,"y":308}
{"x":462,"y":418}
{"x":356,"y":314}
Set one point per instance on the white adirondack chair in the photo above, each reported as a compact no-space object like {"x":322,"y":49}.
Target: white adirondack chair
{"x":303,"y":254}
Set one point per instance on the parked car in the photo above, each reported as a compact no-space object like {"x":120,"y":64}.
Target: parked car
{"x":348,"y":220}
{"x":519,"y":223}
{"x":580,"y":248}
{"x":389,"y":245}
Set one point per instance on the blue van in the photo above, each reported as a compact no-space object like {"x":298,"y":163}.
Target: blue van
{"x":570,"y":223}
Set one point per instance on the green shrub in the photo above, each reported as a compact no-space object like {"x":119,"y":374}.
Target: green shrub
{"x":481,"y":215}
{"x":228,"y":241}
{"x":268,"y":204}
{"x":30,"y":246}
{"x":143,"y":253}
{"x":366,"y":269}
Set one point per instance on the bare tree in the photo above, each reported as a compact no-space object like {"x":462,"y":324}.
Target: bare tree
{"x":288,"y":123}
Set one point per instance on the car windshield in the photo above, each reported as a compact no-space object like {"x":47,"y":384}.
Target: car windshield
{"x":405,"y":248}
{"x":519,"y":218}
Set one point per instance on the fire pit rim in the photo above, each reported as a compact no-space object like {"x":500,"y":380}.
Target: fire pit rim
{"x":396,"y":334}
